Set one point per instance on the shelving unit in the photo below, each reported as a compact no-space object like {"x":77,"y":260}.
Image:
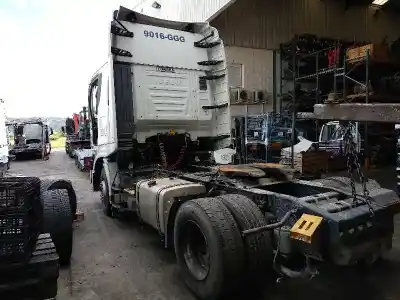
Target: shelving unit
{"x":338,"y":78}
{"x":305,"y":61}
{"x":262,"y":131}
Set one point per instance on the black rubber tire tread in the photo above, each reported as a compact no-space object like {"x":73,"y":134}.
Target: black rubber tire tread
{"x":258,"y":247}
{"x":61,"y":184}
{"x":57,"y":220}
{"x":107,"y":209}
{"x":225,"y":243}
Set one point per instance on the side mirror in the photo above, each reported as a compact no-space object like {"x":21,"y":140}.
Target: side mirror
{"x":63,"y":129}
{"x":51,"y":131}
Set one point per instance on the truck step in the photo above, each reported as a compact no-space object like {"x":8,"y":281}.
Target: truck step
{"x":209,"y":62}
{"x":120,"y":52}
{"x":203,"y":40}
{"x":208,"y":45}
{"x":215,"y":106}
{"x":121,"y":31}
{"x":213,"y":77}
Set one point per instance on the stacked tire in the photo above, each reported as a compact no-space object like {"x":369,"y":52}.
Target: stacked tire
{"x":59,"y":207}
{"x":213,"y":256}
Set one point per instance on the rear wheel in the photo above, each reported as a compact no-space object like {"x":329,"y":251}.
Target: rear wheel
{"x":208,"y":248}
{"x":258,"y":247}
{"x":57,"y":220}
{"x":105,"y":194}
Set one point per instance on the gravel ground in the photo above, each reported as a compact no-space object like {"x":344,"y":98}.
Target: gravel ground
{"x":121,"y":259}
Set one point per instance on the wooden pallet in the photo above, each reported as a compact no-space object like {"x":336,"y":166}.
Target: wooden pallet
{"x":349,"y":98}
{"x":311,"y":162}
{"x":377,"y":52}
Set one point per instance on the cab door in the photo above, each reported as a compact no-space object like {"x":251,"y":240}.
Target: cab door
{"x":98,"y":108}
{"x":102,"y":110}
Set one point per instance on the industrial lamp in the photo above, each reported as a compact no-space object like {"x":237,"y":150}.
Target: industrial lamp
{"x":379,"y":2}
{"x":157,"y":5}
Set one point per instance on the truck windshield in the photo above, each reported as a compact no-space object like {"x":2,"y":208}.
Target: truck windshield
{"x":330,"y":132}
{"x":33,"y":131}
{"x":333,"y":132}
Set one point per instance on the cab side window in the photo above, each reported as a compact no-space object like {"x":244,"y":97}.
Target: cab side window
{"x":94,"y":100}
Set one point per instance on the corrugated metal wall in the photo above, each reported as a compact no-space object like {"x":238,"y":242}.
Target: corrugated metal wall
{"x":267,"y":23}
{"x":201,"y":10}
{"x":257,"y":66}
{"x":257,"y":74}
{"x":170,"y":9}
{"x":183,"y":10}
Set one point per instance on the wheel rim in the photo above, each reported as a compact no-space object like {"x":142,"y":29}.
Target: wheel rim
{"x":195,"y":250}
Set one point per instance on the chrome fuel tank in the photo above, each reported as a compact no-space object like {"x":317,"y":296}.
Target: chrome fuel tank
{"x":155,"y":197}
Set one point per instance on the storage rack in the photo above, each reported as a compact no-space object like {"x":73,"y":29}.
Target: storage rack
{"x":333,"y":70}
{"x":305,"y":64}
{"x":330,"y":73}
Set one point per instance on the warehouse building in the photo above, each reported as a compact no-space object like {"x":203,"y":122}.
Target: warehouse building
{"x":253,"y":30}
{"x":268,"y":47}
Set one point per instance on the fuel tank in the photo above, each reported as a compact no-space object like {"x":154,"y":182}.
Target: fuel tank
{"x":156,"y":197}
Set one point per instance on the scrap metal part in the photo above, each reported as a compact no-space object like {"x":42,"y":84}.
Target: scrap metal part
{"x":363,"y":112}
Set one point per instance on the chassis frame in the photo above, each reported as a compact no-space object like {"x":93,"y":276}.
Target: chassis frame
{"x":347,"y":234}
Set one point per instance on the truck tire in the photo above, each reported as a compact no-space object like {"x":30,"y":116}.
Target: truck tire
{"x":66,"y":148}
{"x":77,"y":162}
{"x":105,"y":194}
{"x":70,"y":153}
{"x":208,"y":248}
{"x":258,"y":247}
{"x":57,"y":220}
{"x":61,"y":184}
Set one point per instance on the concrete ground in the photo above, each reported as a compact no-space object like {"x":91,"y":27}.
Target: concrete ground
{"x":120,"y":259}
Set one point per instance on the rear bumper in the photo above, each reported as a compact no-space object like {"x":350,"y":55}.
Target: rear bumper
{"x":350,"y":231}
{"x":368,"y":251}
{"x":25,"y":150}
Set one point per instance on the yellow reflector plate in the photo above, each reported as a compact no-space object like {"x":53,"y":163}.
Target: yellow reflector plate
{"x":305,"y":228}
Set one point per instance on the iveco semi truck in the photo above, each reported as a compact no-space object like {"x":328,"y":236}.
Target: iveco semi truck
{"x":160,"y":115}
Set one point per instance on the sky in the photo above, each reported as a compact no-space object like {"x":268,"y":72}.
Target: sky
{"x":49,"y":51}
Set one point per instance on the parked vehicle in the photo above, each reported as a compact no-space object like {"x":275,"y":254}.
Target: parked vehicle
{"x":35,"y":222}
{"x":157,"y":118}
{"x":78,"y":142}
{"x":29,"y":137}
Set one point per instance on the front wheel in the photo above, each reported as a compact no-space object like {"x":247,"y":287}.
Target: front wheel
{"x":105,"y":194}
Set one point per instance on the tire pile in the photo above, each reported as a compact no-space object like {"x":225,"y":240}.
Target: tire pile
{"x":33,"y":247}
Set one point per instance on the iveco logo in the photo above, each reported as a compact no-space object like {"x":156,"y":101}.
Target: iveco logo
{"x":165,"y":69}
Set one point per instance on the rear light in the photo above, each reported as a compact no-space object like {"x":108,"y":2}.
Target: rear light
{"x":88,"y":162}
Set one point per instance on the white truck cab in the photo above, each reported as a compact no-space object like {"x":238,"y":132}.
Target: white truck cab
{"x":159,"y":109}
{"x":157,"y":81}
{"x":163,"y":80}
{"x":331,"y":136}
